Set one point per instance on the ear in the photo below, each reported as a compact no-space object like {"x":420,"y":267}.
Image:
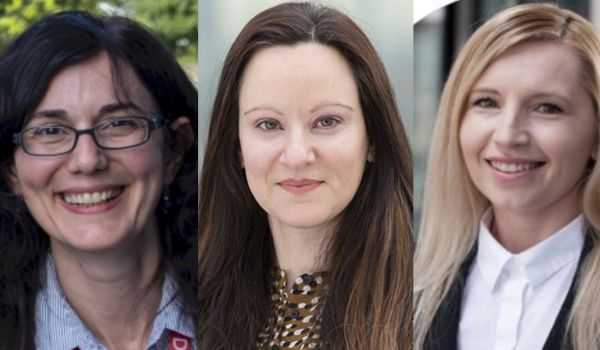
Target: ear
{"x":371,"y":154}
{"x":13,"y":180}
{"x":180,"y":139}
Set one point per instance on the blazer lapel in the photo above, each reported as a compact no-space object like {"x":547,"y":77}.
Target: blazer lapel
{"x":557,"y":339}
{"x":443,"y":332}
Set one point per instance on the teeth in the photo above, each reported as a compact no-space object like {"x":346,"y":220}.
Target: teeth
{"x":513,"y":167}
{"x":91,"y":198}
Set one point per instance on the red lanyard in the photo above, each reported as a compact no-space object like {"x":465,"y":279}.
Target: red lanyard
{"x":178,"y":341}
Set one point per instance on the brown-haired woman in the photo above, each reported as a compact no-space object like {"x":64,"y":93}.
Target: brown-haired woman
{"x":307,"y":173}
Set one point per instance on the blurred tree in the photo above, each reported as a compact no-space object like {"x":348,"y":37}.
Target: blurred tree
{"x":174,"y":21}
{"x":16,"y":15}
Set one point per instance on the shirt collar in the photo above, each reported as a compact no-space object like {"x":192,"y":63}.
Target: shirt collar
{"x":170,"y":316}
{"x":59,"y":327}
{"x":537,"y":263}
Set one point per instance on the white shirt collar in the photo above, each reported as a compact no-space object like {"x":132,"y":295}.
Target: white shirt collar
{"x":537,"y":263}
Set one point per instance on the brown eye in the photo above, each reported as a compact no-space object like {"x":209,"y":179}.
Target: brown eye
{"x":46,"y":131}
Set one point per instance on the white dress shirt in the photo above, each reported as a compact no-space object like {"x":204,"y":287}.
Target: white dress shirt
{"x":511,"y":301}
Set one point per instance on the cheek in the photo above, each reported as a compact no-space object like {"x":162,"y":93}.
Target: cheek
{"x":475,"y":134}
{"x":346,"y":158}
{"x":469,"y":140}
{"x":256,"y":157}
{"x":32,"y":174}
{"x":569,"y":152}
{"x":147,"y":163}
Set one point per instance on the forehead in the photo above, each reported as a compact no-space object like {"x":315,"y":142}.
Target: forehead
{"x":309,"y":71}
{"x":547,"y":65}
{"x":88,"y":85}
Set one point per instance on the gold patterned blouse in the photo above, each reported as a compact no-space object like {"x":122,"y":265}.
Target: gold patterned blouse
{"x":295,"y":322}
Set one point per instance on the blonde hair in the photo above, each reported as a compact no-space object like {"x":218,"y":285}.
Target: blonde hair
{"x":453,"y":205}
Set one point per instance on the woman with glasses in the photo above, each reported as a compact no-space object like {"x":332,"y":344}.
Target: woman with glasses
{"x":306,"y":192}
{"x":507,"y":256}
{"x":97,"y":189}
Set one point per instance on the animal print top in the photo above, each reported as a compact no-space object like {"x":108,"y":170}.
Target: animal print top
{"x":295,"y":322}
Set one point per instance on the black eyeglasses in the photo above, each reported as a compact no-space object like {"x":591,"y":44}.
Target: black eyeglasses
{"x":110,"y":134}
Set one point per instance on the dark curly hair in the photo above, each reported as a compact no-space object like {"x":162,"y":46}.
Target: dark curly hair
{"x":27,"y":67}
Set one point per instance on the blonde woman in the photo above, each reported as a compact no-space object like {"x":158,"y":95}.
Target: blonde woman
{"x":506,"y":256}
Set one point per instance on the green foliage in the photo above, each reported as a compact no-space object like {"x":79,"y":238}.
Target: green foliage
{"x":174,"y":21}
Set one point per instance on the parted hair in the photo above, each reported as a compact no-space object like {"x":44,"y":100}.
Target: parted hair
{"x":453,"y":205}
{"x":27,"y":66}
{"x":368,"y":256}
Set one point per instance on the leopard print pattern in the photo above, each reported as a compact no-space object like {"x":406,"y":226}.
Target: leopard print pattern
{"x":295,"y":323}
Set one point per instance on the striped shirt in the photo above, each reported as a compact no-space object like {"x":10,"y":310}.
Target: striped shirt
{"x":59,"y":328}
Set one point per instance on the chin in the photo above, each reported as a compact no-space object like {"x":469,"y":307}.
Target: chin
{"x":306,"y":221}
{"x":91,"y":240}
{"x":516,"y":205}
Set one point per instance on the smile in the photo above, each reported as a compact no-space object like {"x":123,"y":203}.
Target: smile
{"x":88,"y":199}
{"x":514,"y":168}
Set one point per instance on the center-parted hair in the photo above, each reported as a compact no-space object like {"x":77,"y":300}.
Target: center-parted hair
{"x":368,"y":256}
{"x":453,"y":206}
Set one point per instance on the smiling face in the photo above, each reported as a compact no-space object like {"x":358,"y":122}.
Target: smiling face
{"x":529,"y":131}
{"x":92,"y":199}
{"x":302,"y":134}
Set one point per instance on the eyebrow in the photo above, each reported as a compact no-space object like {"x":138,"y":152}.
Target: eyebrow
{"x":259,"y":108}
{"x":106,"y":109}
{"x":314,"y":109}
{"x":331,"y":104}
{"x":49,"y":113}
{"x":119,"y":106}
{"x":551,"y":94}
{"x":542,"y":94}
{"x":484,"y":90}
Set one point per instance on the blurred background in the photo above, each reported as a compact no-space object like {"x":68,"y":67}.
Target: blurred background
{"x":387,"y":23}
{"x":175,"y":22}
{"x":437,"y":40}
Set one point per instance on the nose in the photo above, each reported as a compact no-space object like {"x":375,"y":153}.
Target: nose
{"x":86,"y":158}
{"x":298,"y":150}
{"x":512,"y":129}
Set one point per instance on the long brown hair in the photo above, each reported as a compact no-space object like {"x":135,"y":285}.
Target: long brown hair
{"x":368,"y":304}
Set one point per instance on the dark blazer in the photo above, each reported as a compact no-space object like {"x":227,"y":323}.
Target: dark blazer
{"x":443,"y":333}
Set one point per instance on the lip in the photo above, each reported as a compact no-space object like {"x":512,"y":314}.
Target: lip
{"x":299,"y":186}
{"x":94,"y":209}
{"x":513,"y":168}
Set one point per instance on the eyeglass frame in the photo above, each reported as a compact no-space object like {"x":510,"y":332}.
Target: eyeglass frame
{"x":153,"y":124}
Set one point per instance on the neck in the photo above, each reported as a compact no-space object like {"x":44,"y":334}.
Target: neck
{"x":117,"y":292}
{"x":518,"y":231}
{"x":298,"y":249}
